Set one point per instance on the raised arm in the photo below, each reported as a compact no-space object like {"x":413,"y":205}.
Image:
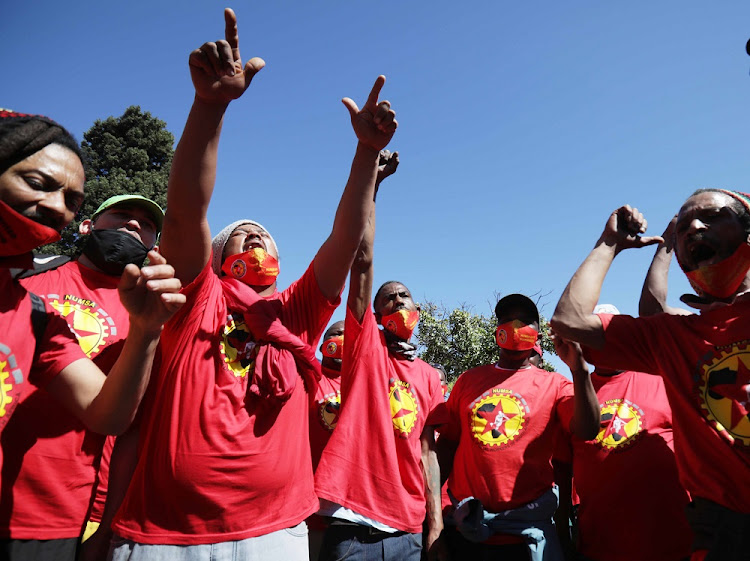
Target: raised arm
{"x":585,"y":422}
{"x":360,"y":284}
{"x":654,"y":294}
{"x":108,"y":404}
{"x":573,"y":318}
{"x":218,"y":77}
{"x":374,"y":126}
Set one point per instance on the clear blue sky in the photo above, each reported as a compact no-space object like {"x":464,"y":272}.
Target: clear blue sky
{"x":522,"y":124}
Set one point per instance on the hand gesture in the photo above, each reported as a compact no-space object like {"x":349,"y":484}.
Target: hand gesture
{"x":387,"y":165}
{"x":570,"y":352}
{"x":668,"y":235}
{"x":624,"y":228}
{"x":151,"y":295}
{"x":216,"y":68}
{"x":375,"y":123}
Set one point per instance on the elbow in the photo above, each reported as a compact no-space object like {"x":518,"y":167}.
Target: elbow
{"x":108,"y":425}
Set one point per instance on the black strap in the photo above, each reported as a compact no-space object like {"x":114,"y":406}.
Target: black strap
{"x":42,"y":264}
{"x":39,"y":320}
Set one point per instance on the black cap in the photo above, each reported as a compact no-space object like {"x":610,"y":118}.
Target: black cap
{"x":518,"y":301}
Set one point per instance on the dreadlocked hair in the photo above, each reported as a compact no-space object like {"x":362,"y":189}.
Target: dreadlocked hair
{"x":22,"y":135}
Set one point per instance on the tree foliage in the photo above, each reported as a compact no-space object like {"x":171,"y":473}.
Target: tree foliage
{"x":127,"y":154}
{"x":460,"y":339}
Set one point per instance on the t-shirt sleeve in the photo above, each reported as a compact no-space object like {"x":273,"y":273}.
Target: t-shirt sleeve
{"x":307,"y":310}
{"x":57,"y":349}
{"x":565,"y":402}
{"x":629,"y":343}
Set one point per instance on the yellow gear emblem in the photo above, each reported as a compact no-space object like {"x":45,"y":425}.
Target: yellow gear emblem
{"x":329,"y":408}
{"x":621,"y":422}
{"x":724,"y":390}
{"x":404,"y":407}
{"x":497,"y":417}
{"x":89,"y":327}
{"x":5,"y":389}
{"x":237,"y":346}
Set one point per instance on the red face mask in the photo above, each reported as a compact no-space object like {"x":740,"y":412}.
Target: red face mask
{"x":516,"y":336}
{"x":444,"y":387}
{"x":19,"y":235}
{"x":401,"y":323}
{"x":254,"y":267}
{"x":722,"y":279}
{"x":333,"y":347}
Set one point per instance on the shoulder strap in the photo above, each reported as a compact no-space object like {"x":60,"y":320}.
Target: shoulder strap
{"x":39,"y":320}
{"x":42,"y":264}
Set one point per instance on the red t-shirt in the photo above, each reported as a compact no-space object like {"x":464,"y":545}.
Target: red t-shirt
{"x":705,"y":362}
{"x":57,"y":349}
{"x":102,"y":482}
{"x":632,"y":505}
{"x":215,"y":465}
{"x":373,"y":462}
{"x":324,"y":414}
{"x":49,"y":483}
{"x":505,"y":423}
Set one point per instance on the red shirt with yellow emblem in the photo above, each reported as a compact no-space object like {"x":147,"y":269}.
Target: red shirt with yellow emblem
{"x":632,"y":505}
{"x":324,"y":415}
{"x":372,"y":463}
{"x":705,"y":362}
{"x":215,"y":465}
{"x":505,"y":423}
{"x":55,"y":458}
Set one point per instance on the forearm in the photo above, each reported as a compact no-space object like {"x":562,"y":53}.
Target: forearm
{"x":336,"y":256}
{"x":654,"y":293}
{"x":114,"y":408}
{"x":446,"y":451}
{"x":431,"y":472}
{"x":573,"y":317}
{"x":186,"y":236}
{"x":586,"y":414}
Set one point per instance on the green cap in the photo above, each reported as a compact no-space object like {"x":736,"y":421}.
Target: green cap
{"x":153,"y":209}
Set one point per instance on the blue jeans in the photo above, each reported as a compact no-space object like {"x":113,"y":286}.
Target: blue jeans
{"x":366,"y":544}
{"x":289,"y":544}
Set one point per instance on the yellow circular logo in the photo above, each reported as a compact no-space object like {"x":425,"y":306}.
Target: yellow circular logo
{"x":404,"y":408}
{"x":237,"y":346}
{"x":724,"y":391}
{"x":621,"y":422}
{"x":497,"y":417}
{"x":328,"y":408}
{"x":6,"y":389}
{"x":90,"y":326}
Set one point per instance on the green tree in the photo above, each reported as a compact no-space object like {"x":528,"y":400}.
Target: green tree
{"x":127,"y":154}
{"x":460,"y":339}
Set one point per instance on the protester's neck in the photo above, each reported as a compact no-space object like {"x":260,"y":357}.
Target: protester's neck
{"x":511,"y":361}
{"x":264,"y":290}
{"x":86,"y":262}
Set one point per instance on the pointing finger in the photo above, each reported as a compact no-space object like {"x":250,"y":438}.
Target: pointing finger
{"x":230,"y":32}
{"x":372,"y":99}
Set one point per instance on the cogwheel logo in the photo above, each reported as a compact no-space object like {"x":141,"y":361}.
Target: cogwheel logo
{"x":329,"y":407}
{"x":404,"y":407}
{"x":237,"y":346}
{"x":497,"y":417}
{"x":621,"y":422}
{"x":239,"y":268}
{"x":331,"y":348}
{"x":724,"y":392}
{"x":92,"y":327}
{"x":6,"y":389}
{"x":502,"y":336}
{"x":11,"y":382}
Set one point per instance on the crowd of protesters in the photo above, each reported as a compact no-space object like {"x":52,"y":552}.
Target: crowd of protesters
{"x":229,"y":440}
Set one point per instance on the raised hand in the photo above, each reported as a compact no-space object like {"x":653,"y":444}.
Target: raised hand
{"x":375,"y":123}
{"x":387,"y":164}
{"x":570,"y":352}
{"x":216,"y":68}
{"x":624,"y":228}
{"x":151,"y":295}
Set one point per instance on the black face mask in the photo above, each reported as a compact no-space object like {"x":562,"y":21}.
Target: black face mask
{"x":112,"y":250}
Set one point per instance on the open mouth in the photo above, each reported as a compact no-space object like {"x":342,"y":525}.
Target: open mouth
{"x":701,"y":253}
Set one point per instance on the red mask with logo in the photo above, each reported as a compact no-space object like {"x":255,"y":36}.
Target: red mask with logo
{"x":19,"y":235}
{"x":401,"y":323}
{"x":254,"y":267}
{"x":722,"y":279}
{"x":333,"y":347}
{"x":516,"y":336}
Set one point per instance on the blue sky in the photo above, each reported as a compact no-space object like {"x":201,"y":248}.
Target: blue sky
{"x":522,"y":125}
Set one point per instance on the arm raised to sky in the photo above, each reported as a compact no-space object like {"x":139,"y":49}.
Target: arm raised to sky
{"x":374,"y":126}
{"x":360,"y":284}
{"x":573,"y":318}
{"x":218,"y":77}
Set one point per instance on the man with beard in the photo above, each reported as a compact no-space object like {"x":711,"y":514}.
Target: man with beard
{"x":704,"y":359}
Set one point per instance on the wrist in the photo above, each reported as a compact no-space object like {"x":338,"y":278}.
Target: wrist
{"x":367,"y":149}
{"x":215,"y":105}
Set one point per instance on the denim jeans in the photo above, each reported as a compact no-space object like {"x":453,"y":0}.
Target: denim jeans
{"x":289,"y":544}
{"x":350,"y":542}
